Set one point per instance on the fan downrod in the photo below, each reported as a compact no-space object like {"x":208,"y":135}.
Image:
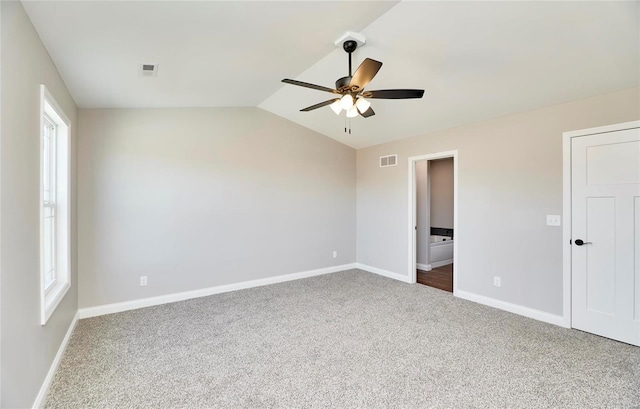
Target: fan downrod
{"x":342,"y":84}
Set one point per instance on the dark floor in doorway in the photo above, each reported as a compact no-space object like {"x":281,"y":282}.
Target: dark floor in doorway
{"x":439,"y":277}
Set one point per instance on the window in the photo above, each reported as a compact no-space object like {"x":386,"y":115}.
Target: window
{"x":54,"y":206}
{"x":48,"y":202}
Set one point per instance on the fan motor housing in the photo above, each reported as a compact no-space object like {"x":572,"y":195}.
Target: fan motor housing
{"x":343,"y":82}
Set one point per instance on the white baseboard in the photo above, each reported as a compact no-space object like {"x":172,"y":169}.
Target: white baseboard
{"x":187,"y":295}
{"x":46,"y":384}
{"x":514,"y":308}
{"x":385,"y":273}
{"x":424,"y":267}
{"x":441,"y":263}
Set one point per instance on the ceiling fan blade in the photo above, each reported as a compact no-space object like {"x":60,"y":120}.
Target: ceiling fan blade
{"x":366,"y":114}
{"x":365,"y":73}
{"x":312,"y":86}
{"x":320,"y":105}
{"x":394,"y":93}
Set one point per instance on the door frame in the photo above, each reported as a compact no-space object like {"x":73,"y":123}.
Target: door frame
{"x":411,"y":225}
{"x":566,"y":207}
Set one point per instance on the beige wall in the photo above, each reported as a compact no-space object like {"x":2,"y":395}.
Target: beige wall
{"x":195,"y":198}
{"x":441,"y":178}
{"x":510,"y":178}
{"x":27,"y":348}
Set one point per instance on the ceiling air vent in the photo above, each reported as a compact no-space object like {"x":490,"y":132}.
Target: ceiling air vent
{"x":390,"y":160}
{"x":149,"y":70}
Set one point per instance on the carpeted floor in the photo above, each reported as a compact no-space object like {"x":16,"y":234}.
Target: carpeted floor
{"x":343,"y":340}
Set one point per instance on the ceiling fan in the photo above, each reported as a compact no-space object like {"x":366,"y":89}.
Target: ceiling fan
{"x":350,"y":90}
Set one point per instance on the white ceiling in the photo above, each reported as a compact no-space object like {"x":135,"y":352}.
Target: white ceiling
{"x":210,"y":53}
{"x":476,"y":60}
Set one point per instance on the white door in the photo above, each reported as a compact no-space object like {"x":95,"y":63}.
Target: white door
{"x":605,"y":232}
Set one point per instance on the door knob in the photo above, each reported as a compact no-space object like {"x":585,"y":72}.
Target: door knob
{"x":580,"y":242}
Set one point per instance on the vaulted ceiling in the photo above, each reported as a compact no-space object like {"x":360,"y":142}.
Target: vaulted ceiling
{"x":476,"y":60}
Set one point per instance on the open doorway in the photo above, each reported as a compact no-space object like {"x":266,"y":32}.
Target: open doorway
{"x":433,"y":220}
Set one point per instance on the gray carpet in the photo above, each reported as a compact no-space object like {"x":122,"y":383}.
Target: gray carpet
{"x":343,"y":340}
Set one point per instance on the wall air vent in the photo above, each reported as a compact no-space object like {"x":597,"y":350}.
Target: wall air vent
{"x":389,"y":160}
{"x":149,"y":70}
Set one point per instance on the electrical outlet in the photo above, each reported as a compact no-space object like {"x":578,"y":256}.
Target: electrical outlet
{"x":496,"y":281}
{"x":335,"y":254}
{"x":143,"y":281}
{"x":553,"y":220}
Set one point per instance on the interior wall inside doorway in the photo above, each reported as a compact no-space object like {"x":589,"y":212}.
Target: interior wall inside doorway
{"x":441,"y":171}
{"x":422,"y":212}
{"x":434,"y":202}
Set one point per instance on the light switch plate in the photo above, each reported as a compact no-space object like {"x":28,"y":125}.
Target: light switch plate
{"x":553,"y":220}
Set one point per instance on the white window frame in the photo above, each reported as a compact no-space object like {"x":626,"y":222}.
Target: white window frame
{"x":60,"y":203}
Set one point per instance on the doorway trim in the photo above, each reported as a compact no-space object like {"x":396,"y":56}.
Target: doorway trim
{"x":566,"y":207}
{"x":411,"y":224}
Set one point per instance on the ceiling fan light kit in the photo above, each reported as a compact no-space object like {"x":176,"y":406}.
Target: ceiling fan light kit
{"x":346,"y":102}
{"x":350,"y":90}
{"x":362,"y":104}
{"x":336,"y":106}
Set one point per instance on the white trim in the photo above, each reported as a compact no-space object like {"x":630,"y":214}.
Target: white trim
{"x":566,"y":207}
{"x":602,"y":129}
{"x":513,"y":308}
{"x":0,"y":212}
{"x":566,"y":229}
{"x":384,"y":273}
{"x":412,"y":273}
{"x":46,"y":384}
{"x":52,"y":299}
{"x":57,"y":109}
{"x":187,"y":295}
{"x":424,"y":267}
{"x":442,"y":263}
{"x":49,"y":300}
{"x":413,"y":220}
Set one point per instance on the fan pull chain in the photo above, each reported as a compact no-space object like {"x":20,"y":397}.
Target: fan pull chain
{"x":347,"y":125}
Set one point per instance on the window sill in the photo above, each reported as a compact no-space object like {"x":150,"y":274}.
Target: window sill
{"x":52,"y":299}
